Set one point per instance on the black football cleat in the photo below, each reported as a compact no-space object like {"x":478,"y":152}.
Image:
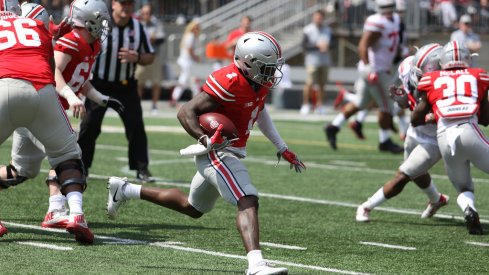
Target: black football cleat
{"x":472,"y":221}
{"x":356,"y":127}
{"x":331,"y":132}
{"x":144,"y":175}
{"x":390,"y":146}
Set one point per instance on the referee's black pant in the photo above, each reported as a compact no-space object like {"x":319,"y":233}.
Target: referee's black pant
{"x":132,"y":117}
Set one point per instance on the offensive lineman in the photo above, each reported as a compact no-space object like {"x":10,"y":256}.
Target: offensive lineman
{"x":237,"y":91}
{"x":457,"y":96}
{"x":28,"y":99}
{"x":377,"y":49}
{"x":421,"y":147}
{"x":74,"y":54}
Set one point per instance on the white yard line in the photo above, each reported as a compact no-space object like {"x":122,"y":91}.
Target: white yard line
{"x":48,"y":246}
{"x":477,"y":243}
{"x":389,"y":246}
{"x":225,"y":255}
{"x":170,"y":245}
{"x":292,"y":247}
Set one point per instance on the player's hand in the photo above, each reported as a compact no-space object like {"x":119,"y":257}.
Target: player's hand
{"x":57,"y":31}
{"x":217,"y":141}
{"x":128,"y":56}
{"x":399,"y":95}
{"x":292,"y":158}
{"x":115,"y":104}
{"x":369,"y":74}
{"x":78,"y":107}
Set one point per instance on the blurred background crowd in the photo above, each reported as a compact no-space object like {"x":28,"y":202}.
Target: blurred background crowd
{"x":425,"y":20}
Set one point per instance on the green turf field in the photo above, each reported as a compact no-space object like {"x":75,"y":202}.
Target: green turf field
{"x":307,"y":220}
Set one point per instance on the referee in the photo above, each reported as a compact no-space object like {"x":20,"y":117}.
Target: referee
{"x":126,"y":45}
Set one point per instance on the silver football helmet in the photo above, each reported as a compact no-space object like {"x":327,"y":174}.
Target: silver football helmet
{"x":426,"y":59}
{"x":35,"y":11}
{"x":259,"y":57}
{"x":10,"y":6}
{"x":384,"y":6}
{"x":92,"y":15}
{"x":455,"y":55}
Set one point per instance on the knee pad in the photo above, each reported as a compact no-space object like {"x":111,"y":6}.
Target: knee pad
{"x":11,"y":180}
{"x":72,"y":165}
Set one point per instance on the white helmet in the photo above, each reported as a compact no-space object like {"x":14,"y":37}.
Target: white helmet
{"x":35,"y":11}
{"x":10,"y":7}
{"x":259,"y":57}
{"x":384,"y":6}
{"x":426,"y":59}
{"x":92,"y":15}
{"x":455,"y":55}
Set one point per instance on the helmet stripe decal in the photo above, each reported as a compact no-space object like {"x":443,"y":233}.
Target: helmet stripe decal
{"x":455,"y":51}
{"x":421,"y":60}
{"x":35,"y":12}
{"x":274,"y":42}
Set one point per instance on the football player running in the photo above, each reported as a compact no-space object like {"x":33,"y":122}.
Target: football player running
{"x":237,"y":91}
{"x":74,"y":54}
{"x":421,"y":147}
{"x":457,"y":96}
{"x":28,"y":99}
{"x":377,"y":49}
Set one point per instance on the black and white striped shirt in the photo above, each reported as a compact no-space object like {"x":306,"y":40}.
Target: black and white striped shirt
{"x":108,"y":66}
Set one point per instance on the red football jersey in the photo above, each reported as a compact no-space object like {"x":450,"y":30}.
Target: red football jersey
{"x":455,"y":93}
{"x":25,"y":51}
{"x":83,"y":55}
{"x":239,"y":101}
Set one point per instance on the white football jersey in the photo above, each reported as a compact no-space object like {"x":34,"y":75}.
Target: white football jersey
{"x":423,"y":133}
{"x":381,"y":55}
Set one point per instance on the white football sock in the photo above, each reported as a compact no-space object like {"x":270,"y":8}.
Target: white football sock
{"x":57,"y":203}
{"x":432,"y":192}
{"x":254,"y":257}
{"x":75,"y":201}
{"x":361,"y":115}
{"x":377,"y":199}
{"x":465,"y":199}
{"x":384,"y":135}
{"x":339,"y":120}
{"x":132,"y":191}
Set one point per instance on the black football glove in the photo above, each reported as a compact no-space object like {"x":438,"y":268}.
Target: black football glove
{"x":115,"y":104}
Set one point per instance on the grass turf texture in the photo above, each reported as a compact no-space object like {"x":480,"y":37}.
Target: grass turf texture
{"x":319,"y":214}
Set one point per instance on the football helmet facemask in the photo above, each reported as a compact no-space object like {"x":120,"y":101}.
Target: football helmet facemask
{"x":10,"y":7}
{"x":259,"y":57}
{"x":455,"y":55}
{"x":426,"y":59}
{"x":35,"y":11}
{"x":92,"y":15}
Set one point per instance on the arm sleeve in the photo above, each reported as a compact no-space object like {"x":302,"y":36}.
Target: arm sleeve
{"x":145,"y":46}
{"x":266,"y":126}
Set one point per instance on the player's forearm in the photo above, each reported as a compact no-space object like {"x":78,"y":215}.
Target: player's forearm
{"x":267,"y":127}
{"x":188,"y":118}
{"x":91,"y":93}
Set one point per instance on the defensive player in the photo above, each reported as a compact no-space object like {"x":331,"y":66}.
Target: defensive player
{"x":74,"y":55}
{"x":28,"y":99}
{"x":377,"y":49}
{"x":237,"y":91}
{"x":457,"y":96}
{"x":420,"y":148}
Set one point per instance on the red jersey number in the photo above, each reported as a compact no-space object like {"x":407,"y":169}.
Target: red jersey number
{"x":18,"y":33}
